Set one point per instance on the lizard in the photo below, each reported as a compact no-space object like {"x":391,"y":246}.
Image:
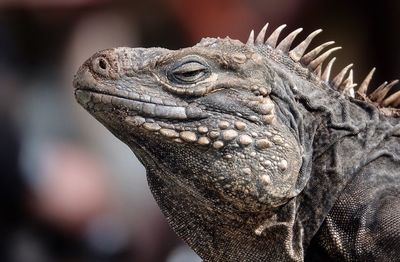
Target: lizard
{"x":252,"y":151}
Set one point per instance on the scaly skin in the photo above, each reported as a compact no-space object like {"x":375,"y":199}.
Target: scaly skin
{"x":250,"y":156}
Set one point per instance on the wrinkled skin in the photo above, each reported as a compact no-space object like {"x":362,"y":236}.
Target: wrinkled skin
{"x":242,"y":153}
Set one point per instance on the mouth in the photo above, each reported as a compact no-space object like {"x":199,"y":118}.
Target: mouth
{"x":137,"y":104}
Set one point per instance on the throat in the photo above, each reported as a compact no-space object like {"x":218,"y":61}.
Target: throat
{"x":226,"y":235}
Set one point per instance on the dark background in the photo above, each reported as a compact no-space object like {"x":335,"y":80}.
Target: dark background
{"x":70,"y":191}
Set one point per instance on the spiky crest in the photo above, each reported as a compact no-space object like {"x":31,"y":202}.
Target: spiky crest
{"x":343,"y":81}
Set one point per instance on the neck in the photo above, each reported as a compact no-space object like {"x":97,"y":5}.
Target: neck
{"x":226,"y":235}
{"x":350,"y":135}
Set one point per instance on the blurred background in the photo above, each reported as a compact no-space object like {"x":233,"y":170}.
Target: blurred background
{"x":69,"y":190}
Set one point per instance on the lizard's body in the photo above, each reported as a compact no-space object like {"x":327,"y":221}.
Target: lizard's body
{"x":252,"y":152}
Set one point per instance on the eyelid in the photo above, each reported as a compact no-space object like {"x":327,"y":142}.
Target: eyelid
{"x":189,"y":66}
{"x":189,"y":71}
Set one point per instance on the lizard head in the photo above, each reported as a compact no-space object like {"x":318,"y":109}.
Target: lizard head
{"x":203,"y":114}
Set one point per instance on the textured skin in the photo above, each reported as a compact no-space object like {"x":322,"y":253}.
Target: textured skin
{"x":250,"y":156}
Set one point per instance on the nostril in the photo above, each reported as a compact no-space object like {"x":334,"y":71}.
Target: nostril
{"x":102,"y":64}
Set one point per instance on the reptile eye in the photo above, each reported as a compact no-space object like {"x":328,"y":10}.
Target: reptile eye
{"x":189,"y":73}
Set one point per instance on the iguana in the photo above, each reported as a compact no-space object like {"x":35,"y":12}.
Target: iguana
{"x":253,"y":152}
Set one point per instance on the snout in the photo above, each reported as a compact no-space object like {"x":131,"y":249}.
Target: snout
{"x":84,"y":78}
{"x":103,"y":65}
